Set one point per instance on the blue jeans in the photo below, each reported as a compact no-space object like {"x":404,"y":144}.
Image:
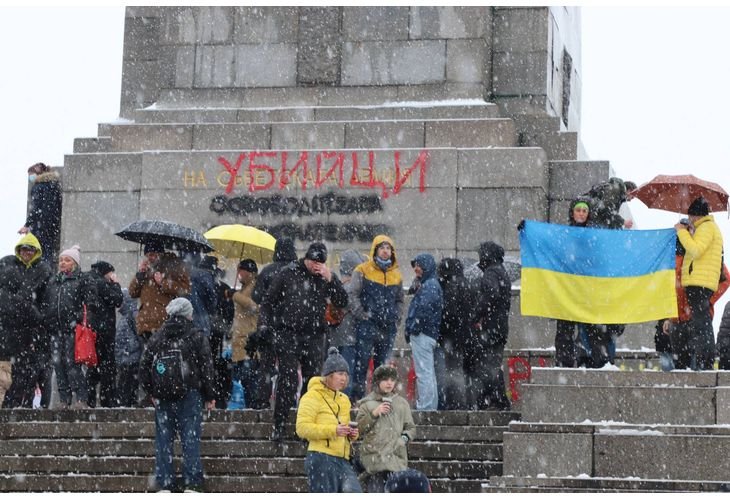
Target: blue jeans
{"x":422,"y":348}
{"x":372,"y":340}
{"x":185,"y":418}
{"x":70,"y":376}
{"x":329,"y":474}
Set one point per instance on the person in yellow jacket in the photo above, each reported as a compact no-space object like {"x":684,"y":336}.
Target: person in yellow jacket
{"x":323,"y":419}
{"x":701,"y":270}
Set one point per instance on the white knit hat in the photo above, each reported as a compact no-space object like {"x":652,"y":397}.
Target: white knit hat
{"x":74,"y":252}
{"x":180,"y":307}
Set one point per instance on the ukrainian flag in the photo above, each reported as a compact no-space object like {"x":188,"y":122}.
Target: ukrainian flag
{"x":598,"y":276}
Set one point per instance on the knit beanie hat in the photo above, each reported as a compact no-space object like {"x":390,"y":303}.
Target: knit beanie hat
{"x":317,"y":252}
{"x":102,"y":267}
{"x":334,"y":363}
{"x":384,"y":372}
{"x":74,"y":252}
{"x":248,"y":265}
{"x":180,"y":307}
{"x":699,"y":207}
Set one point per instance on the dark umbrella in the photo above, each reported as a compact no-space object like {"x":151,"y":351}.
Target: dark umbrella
{"x":674,"y":193}
{"x":165,"y":233}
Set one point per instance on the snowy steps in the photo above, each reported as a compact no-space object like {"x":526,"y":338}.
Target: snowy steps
{"x":112,"y":450}
{"x":386,"y":125}
{"x":606,"y":430}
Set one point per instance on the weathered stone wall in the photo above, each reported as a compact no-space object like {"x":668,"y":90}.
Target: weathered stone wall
{"x":442,"y":126}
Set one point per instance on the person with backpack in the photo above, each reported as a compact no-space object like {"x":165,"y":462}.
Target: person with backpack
{"x":176,"y":369}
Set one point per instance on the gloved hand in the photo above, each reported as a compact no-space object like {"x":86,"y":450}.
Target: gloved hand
{"x":521,"y":225}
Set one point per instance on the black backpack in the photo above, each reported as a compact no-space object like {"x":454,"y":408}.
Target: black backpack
{"x":171,"y":369}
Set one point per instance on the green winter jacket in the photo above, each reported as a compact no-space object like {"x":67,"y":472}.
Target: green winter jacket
{"x":383,"y":448}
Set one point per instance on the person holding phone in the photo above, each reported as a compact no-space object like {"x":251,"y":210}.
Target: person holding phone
{"x":292,"y":315}
{"x":387,"y":426}
{"x":323,"y":419}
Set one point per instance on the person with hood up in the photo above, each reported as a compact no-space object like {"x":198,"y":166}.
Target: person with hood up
{"x":179,"y":415}
{"x":104,"y":312}
{"x":422,"y":329}
{"x":342,"y":335}
{"x":386,"y":425}
{"x":284,"y":254}
{"x":701,"y":270}
{"x":24,"y":344}
{"x":490,"y":331}
{"x":377,"y":304}
{"x":44,"y":210}
{"x":69,"y":293}
{"x":456,"y":320}
{"x":323,"y":419}
{"x":293,"y":315}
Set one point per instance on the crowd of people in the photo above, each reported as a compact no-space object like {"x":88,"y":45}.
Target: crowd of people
{"x":178,"y":338}
{"x":687,"y":341}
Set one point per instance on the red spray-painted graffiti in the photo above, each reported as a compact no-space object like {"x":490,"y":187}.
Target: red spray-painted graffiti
{"x":276,"y":170}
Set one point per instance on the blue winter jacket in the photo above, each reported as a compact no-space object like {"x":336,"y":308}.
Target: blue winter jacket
{"x":424,"y":313}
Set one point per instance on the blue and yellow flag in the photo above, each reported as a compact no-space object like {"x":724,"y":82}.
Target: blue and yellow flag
{"x":598,"y":276}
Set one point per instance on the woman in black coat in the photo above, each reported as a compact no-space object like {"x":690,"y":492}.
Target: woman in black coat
{"x":68,"y":292}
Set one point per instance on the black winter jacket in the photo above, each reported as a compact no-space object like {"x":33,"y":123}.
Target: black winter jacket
{"x":66,"y":296}
{"x":458,"y":311}
{"x":493,"y":304}
{"x":284,"y":254}
{"x":296,"y":301}
{"x":103,"y":307}
{"x":196,"y":354}
{"x":22,"y":305}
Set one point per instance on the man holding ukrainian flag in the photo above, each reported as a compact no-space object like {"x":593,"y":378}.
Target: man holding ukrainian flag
{"x":597,"y":276}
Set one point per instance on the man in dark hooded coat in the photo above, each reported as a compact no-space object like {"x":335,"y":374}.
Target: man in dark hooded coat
{"x":489,"y":335}
{"x":284,"y":254}
{"x":24,"y":343}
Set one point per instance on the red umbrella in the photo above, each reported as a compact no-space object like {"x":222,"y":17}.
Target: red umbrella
{"x":675,"y":193}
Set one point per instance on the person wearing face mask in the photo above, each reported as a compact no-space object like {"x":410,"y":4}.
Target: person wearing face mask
{"x":376,"y":295}
{"x":44,"y":210}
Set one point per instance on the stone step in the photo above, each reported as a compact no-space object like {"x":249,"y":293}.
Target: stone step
{"x":92,"y":145}
{"x":234,"y":448}
{"x":318,"y":96}
{"x":214,"y":484}
{"x":614,"y":378}
{"x":388,"y":111}
{"x":215,"y":430}
{"x":495,"y":132}
{"x":456,"y":418}
{"x":639,"y":397}
{"x":514,"y":484}
{"x":284,"y":466}
{"x":657,"y":452}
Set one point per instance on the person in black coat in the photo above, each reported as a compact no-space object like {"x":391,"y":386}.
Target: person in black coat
{"x":292,"y":315}
{"x":103,"y":311}
{"x":23,"y":341}
{"x":490,"y":330}
{"x":284,"y":254}
{"x":68,"y":293}
{"x":44,"y":210}
{"x":456,"y":320}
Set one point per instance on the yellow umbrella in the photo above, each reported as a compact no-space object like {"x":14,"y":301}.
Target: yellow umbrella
{"x":236,"y":241}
